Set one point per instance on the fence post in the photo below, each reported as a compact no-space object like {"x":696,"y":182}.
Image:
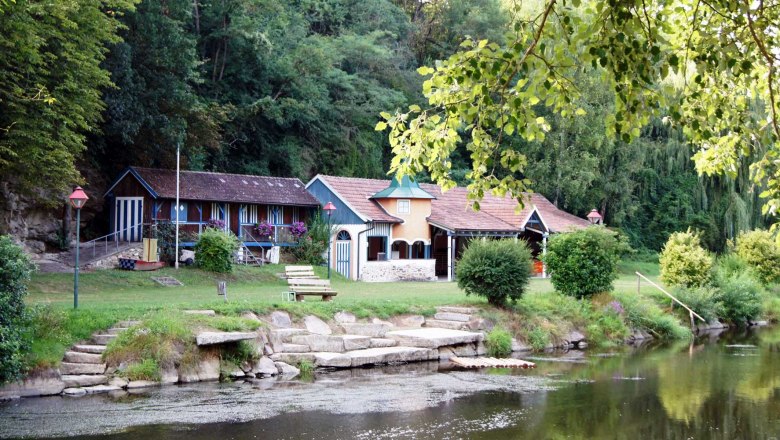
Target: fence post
{"x":222,"y":289}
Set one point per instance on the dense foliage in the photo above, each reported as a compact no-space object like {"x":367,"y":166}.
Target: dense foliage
{"x":584,"y":262}
{"x":740,"y":296}
{"x":498,"y":342}
{"x":314,"y":242}
{"x":498,"y":270}
{"x":684,"y":262}
{"x":761,"y":252}
{"x":215,"y":250}
{"x":15,"y":271}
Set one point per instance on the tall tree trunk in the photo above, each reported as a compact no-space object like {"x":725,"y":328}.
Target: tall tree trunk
{"x":196,"y":15}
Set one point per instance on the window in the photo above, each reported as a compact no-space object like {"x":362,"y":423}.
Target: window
{"x":182,"y":212}
{"x":404,"y":206}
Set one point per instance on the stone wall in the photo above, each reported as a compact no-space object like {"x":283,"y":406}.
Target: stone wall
{"x":399,"y":270}
{"x":112,"y":261}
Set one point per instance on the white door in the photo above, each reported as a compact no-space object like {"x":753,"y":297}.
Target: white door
{"x":129,"y":215}
{"x":343,"y":252}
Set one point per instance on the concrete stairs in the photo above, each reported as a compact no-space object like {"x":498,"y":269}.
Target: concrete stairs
{"x":83,"y":366}
{"x":454,"y":318}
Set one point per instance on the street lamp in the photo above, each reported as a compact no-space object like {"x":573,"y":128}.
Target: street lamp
{"x":77,"y":199}
{"x":594,"y":217}
{"x":329,"y":208}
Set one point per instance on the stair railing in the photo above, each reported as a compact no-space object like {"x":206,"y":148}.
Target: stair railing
{"x":106,"y":239}
{"x":691,"y":313}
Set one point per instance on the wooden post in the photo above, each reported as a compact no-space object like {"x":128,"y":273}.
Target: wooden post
{"x":222,"y":289}
{"x":638,"y":285}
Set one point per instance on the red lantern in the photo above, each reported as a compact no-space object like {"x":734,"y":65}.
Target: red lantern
{"x":78,"y":198}
{"x":329,"y":208}
{"x":594,"y":217}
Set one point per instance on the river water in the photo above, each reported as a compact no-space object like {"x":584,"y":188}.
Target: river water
{"x":723,"y":386}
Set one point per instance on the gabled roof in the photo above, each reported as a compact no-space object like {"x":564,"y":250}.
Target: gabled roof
{"x":222,"y":187}
{"x":356,"y":193}
{"x":405,"y":189}
{"x":453,"y":211}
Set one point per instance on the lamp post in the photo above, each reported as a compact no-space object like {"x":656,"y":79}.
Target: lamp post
{"x":594,"y":217}
{"x":77,"y":199}
{"x":329,"y":208}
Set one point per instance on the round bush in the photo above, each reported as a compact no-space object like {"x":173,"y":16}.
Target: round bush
{"x":761,"y":252}
{"x":214,"y":250}
{"x":740,"y":296}
{"x":684,"y":262}
{"x":583,"y":263}
{"x":499,"y":270}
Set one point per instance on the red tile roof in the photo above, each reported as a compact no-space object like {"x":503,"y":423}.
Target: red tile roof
{"x":222,"y":187}
{"x":452,"y":209}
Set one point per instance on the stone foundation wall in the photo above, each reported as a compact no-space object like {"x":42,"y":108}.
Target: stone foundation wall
{"x":112,"y":261}
{"x":399,"y":270}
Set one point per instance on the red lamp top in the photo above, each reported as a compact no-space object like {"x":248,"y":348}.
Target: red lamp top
{"x":329,"y":208}
{"x":78,"y":198}
{"x":594,"y":216}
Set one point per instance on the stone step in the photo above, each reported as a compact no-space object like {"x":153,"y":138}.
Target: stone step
{"x":294,"y":358}
{"x":451,"y":325}
{"x":322,"y":343}
{"x":103,"y":339}
{"x":282,"y":335}
{"x":433,"y":337}
{"x":77,"y":357}
{"x":89,"y":348}
{"x":212,"y":338}
{"x":101,"y":389}
{"x":374,"y":330}
{"x":382,"y":343}
{"x":452,"y":309}
{"x":77,"y":368}
{"x":451,"y":316}
{"x":84,"y":380}
{"x":127,"y":324}
{"x":356,"y":342}
{"x":294,"y":348}
{"x":387,"y":355}
{"x":116,"y":330}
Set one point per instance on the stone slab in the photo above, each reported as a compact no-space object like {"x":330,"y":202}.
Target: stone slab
{"x":356,"y":342}
{"x":279,"y":336}
{"x":374,"y":330}
{"x":96,"y":349}
{"x":293,"y":358}
{"x":208,"y":369}
{"x":337,"y":360}
{"x":78,"y":368}
{"x":103,"y":339}
{"x":134,"y":384}
{"x":316,"y":325}
{"x":281,"y":319}
{"x":286,"y":370}
{"x":373,"y":356}
{"x":382,"y":343}
{"x":414,"y":321}
{"x":201,"y":312}
{"x":452,"y":316}
{"x":433,"y":337}
{"x":344,"y":317}
{"x":451,"y":325}
{"x":101,"y":389}
{"x":321,"y":343}
{"x":293,"y":348}
{"x":84,"y":380}
{"x":213,"y":338}
{"x":454,"y":309}
{"x":78,"y":357}
{"x":47,"y":383}
{"x":74,"y":391}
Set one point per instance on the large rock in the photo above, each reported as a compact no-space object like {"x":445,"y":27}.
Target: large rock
{"x":574,"y":337}
{"x":374,"y":330}
{"x":454,"y":309}
{"x":316,"y":325}
{"x":321,"y":343}
{"x":264,"y":367}
{"x":281,"y":319}
{"x":169,"y":375}
{"x":83,"y":358}
{"x":135,"y":384}
{"x":286,"y":370}
{"x":338,"y":360}
{"x":344,"y":317}
{"x":293,"y":358}
{"x":280,"y":336}
{"x":356,"y":342}
{"x":433,"y":337}
{"x":44,"y":383}
{"x":83,"y":380}
{"x":213,"y":338}
{"x":121,"y":382}
{"x":382,"y":342}
{"x":451,"y":316}
{"x":411,"y":321}
{"x":293,"y":348}
{"x":462,"y":350}
{"x":373,"y":356}
{"x":208,"y":369}
{"x":101,"y":389}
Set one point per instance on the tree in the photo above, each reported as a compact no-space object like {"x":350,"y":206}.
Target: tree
{"x":15,"y":271}
{"x":50,"y":88}
{"x":706,"y":66}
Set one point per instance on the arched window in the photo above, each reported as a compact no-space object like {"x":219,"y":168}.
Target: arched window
{"x":343,"y":235}
{"x":418,"y":250}
{"x":400,"y":250}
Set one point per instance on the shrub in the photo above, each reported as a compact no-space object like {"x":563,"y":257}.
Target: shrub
{"x":214,"y":250}
{"x":498,"y":342}
{"x":496,"y":269}
{"x":705,"y":301}
{"x":684,"y":262}
{"x":760,"y":251}
{"x":314,"y":242}
{"x":144,"y":370}
{"x":584,"y":262}
{"x":15,"y":271}
{"x":538,"y":338}
{"x":740,"y":295}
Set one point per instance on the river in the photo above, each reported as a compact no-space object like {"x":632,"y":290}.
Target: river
{"x":723,"y":386}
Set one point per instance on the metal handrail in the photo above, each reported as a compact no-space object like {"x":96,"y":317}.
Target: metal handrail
{"x":691,"y":313}
{"x":105,"y":239}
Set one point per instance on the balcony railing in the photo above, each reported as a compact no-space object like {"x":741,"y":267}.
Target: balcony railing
{"x":280,"y":234}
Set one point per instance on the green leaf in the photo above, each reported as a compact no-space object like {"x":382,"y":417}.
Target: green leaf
{"x":380,"y":126}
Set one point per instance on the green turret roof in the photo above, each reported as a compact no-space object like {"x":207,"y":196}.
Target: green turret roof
{"x":406,"y":189}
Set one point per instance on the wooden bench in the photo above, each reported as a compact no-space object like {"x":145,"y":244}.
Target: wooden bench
{"x":300,"y":287}
{"x":299,"y":272}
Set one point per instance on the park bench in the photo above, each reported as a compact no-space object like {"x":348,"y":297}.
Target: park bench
{"x":300,"y":287}
{"x":299,"y":272}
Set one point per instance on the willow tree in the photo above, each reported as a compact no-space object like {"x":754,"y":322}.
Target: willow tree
{"x":703,"y":66}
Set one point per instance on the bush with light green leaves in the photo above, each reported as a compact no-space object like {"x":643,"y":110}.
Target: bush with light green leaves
{"x":214,"y":250}
{"x":761,"y":252}
{"x":684,"y":262}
